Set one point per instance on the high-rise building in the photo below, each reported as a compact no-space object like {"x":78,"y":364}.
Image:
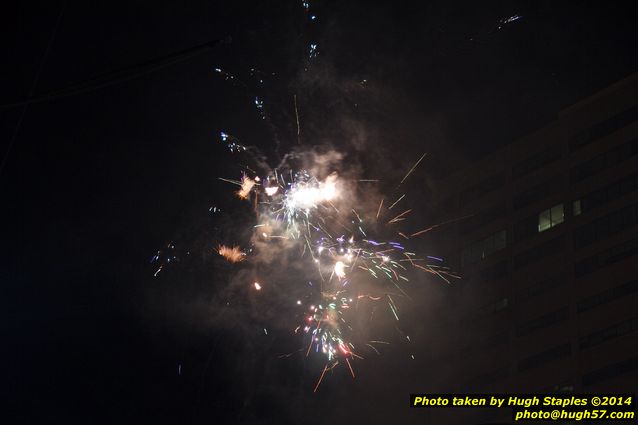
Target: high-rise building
{"x":548,"y":251}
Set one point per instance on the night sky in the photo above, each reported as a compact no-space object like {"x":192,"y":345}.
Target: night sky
{"x":95,"y":183}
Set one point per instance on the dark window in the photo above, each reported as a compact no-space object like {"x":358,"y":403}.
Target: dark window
{"x":485,"y":186}
{"x":607,"y":296}
{"x":610,"y":371}
{"x":609,"y":193}
{"x":535,"y":162}
{"x":487,"y":310}
{"x":484,"y":247}
{"x":605,"y":160}
{"x":526,"y":228}
{"x":555,"y":353}
{"x":542,"y":321}
{"x":606,"y":226}
{"x":482,"y":218}
{"x":491,"y":341}
{"x":576,"y":208}
{"x":619,"y":329}
{"x":543,"y":250}
{"x":564,"y":388}
{"x":606,"y":258}
{"x":485,"y":378}
{"x":531,"y":195}
{"x":603,"y":128}
{"x":540,"y":287}
{"x":493,"y":272}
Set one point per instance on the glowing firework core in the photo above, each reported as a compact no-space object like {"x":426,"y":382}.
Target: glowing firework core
{"x":270,"y":191}
{"x":314,"y":215}
{"x":305,"y":196}
{"x":339,"y":269}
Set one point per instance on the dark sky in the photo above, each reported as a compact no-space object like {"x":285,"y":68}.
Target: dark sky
{"x":95,"y":183}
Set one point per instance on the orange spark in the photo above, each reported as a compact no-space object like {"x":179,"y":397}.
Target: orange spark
{"x":232,"y":255}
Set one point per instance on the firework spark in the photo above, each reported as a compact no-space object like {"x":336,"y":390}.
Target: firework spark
{"x":320,"y":219}
{"x":333,"y":255}
{"x":343,"y":253}
{"x":247,"y":185}
{"x":231,"y":254}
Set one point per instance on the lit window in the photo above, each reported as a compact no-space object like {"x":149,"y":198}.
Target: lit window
{"x":576,"y":208}
{"x":558,"y":214}
{"x":551,"y":217}
{"x":544,"y":220}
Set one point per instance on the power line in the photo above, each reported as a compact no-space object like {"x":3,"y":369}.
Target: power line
{"x":24,"y":105}
{"x":121,"y":75}
{"x":100,"y":81}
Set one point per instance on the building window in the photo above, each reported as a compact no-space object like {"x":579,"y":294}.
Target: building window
{"x":606,"y":226}
{"x":483,"y":218}
{"x":535,"y":162}
{"x":483,"y":187}
{"x":493,"y":272}
{"x":540,"y":288}
{"x":615,"y":331}
{"x":576,"y":210}
{"x":543,"y":321}
{"x":604,"y":161}
{"x":486,"y":310}
{"x":481,"y":249}
{"x":490,"y":342}
{"x":481,"y":381}
{"x":526,"y":228}
{"x":565,"y":387}
{"x":603,"y":128}
{"x":533,"y":194}
{"x":546,"y":356}
{"x":543,"y":250}
{"x":609,"y":193}
{"x":551,"y":217}
{"x":606,"y":258}
{"x":607,"y":296}
{"x":611,"y":371}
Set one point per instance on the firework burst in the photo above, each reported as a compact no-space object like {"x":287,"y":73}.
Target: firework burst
{"x":340,"y":257}
{"x":335,"y":244}
{"x":231,"y":254}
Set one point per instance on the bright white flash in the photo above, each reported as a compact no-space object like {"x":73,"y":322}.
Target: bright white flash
{"x":270,"y":191}
{"x":306,"y":197}
{"x":339,"y":269}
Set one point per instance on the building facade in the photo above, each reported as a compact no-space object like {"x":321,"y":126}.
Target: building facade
{"x":548,"y":251}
